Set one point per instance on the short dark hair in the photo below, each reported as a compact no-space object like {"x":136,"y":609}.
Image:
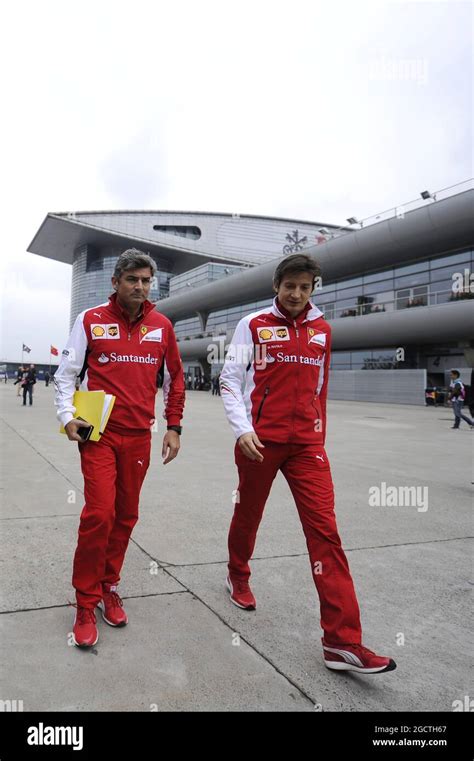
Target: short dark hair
{"x":456,"y":373}
{"x":133,"y":259}
{"x":296,"y":263}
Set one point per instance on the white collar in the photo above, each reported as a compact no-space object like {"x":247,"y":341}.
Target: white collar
{"x":312,"y":314}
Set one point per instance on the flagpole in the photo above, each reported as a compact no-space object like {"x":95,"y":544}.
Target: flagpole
{"x":22,"y":345}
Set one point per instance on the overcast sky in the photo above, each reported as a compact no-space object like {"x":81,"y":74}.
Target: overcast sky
{"x":313,"y":110}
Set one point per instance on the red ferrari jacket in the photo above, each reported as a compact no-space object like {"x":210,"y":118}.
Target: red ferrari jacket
{"x":110,"y":354}
{"x":275,"y":376}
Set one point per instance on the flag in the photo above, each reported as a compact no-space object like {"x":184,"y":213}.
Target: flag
{"x":26,"y":348}
{"x":54,"y":351}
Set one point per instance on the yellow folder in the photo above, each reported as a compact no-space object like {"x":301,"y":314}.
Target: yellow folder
{"x":95,"y":407}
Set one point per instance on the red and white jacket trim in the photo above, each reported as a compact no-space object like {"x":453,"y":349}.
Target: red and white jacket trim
{"x":275,"y":376}
{"x":111,"y":354}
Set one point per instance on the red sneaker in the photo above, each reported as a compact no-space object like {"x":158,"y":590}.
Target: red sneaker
{"x":356,"y":658}
{"x":84,"y":631}
{"x":111,"y":606}
{"x":241,"y":594}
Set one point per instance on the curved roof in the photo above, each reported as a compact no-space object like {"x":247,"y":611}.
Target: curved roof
{"x":183,"y":239}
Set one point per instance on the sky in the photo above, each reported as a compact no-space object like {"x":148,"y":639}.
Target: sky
{"x":312,"y":110}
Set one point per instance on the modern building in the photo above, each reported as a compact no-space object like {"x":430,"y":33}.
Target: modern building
{"x":398,"y":288}
{"x":179,"y":242}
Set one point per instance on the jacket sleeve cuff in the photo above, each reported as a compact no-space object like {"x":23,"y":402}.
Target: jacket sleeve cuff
{"x":65,"y":418}
{"x":173,"y":420}
{"x":241,"y":432}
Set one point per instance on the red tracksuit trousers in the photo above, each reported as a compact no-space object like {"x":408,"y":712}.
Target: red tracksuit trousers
{"x":114,"y":469}
{"x":306,"y":469}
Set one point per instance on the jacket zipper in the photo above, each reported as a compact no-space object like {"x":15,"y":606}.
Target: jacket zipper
{"x":296,"y":383}
{"x":265,"y":394}
{"x":128,"y":326}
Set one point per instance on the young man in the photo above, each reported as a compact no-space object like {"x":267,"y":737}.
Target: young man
{"x":274,"y":388}
{"x":120,"y":347}
{"x":457,"y":395}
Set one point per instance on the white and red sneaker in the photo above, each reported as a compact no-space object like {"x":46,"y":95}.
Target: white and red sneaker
{"x":84,"y":631}
{"x":111,"y":606}
{"x":240,"y":593}
{"x":356,"y":658}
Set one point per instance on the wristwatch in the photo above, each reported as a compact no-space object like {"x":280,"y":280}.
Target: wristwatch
{"x":176,"y":428}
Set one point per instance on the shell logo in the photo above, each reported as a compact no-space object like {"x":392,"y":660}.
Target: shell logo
{"x":98,"y":331}
{"x":265,"y":334}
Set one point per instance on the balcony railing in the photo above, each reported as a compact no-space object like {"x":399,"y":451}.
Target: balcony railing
{"x":430,"y":299}
{"x":394,"y":212}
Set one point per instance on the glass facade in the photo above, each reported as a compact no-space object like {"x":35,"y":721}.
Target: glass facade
{"x":205,"y":273}
{"x":421,"y":284}
{"x":425,"y":283}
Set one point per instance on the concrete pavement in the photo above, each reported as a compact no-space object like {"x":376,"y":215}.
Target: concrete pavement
{"x":187,"y":647}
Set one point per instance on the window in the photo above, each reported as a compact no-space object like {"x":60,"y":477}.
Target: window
{"x":447,"y":272}
{"x":380,"y":297}
{"x":349,"y":283}
{"x":180,"y":230}
{"x":442,"y":285}
{"x":412,"y":297}
{"x":346,"y":303}
{"x":378,"y":276}
{"x":321,"y":300}
{"x":412,"y":280}
{"x":441,"y":297}
{"x":348,"y":292}
{"x":94,"y":260}
{"x":328,"y":311}
{"x":449,"y":260}
{"x":419,"y":267}
{"x":382,"y":285}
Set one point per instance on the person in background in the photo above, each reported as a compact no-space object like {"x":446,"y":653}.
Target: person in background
{"x":457,"y":394}
{"x":29,"y":380}
{"x":19,"y":378}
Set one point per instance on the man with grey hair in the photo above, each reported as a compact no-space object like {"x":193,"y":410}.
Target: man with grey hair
{"x":122,"y":347}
